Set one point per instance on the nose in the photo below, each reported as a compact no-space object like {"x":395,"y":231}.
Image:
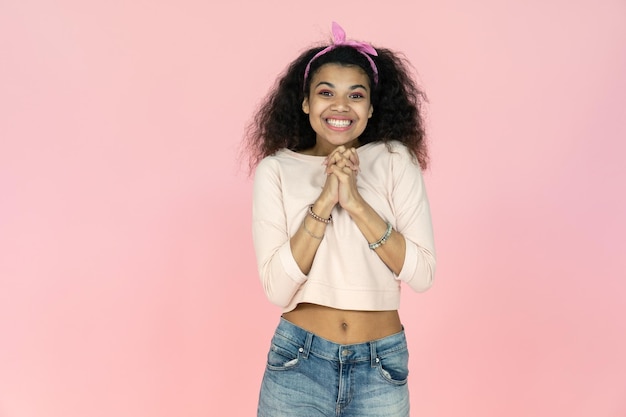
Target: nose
{"x":340,"y":104}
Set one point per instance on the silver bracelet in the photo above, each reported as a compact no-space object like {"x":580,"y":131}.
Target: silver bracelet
{"x":306,"y":229}
{"x":383,"y":239}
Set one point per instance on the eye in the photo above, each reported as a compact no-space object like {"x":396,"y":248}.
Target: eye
{"x":356,"y":96}
{"x":325,"y":93}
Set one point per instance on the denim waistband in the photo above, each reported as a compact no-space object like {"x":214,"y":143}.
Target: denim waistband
{"x":310,"y":343}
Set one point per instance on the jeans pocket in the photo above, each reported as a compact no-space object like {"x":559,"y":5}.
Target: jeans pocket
{"x":394,"y":367}
{"x":283,"y":354}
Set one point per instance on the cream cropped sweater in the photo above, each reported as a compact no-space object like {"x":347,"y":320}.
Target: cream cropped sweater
{"x":346,"y":273}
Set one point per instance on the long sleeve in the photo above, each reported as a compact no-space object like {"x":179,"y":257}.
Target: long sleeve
{"x":413,"y":219}
{"x":279,"y":273}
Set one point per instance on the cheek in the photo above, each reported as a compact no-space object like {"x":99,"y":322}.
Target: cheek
{"x":366,"y":112}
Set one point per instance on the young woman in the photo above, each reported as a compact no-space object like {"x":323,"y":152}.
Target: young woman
{"x":340,"y":219}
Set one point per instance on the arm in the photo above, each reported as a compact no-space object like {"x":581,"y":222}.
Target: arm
{"x":305,"y":242}
{"x":409,"y":250}
{"x":413,"y":219}
{"x":283,"y":261}
{"x":373,"y":227}
{"x":279,"y":274}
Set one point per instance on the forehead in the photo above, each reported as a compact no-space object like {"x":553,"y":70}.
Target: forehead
{"x":340,"y":74}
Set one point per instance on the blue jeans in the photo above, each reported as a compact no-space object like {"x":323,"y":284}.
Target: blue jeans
{"x":307,"y":376}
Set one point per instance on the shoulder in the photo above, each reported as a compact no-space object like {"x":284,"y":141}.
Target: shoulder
{"x":397,"y":147}
{"x":286,"y":161}
{"x":268,"y":162}
{"x":268,"y":169}
{"x":394,"y":152}
{"x":272,"y":162}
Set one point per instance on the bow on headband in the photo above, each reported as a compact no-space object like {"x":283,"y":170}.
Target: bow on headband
{"x":339,"y":39}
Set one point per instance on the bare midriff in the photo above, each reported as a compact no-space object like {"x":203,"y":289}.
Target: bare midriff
{"x":345,"y":326}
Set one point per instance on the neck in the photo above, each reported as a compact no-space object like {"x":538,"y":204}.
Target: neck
{"x":324,"y":150}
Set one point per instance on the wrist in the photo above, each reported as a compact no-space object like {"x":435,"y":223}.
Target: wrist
{"x":357,"y":209}
{"x":322,"y":207}
{"x":327,"y":219}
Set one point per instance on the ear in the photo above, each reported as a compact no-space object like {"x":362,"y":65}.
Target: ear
{"x":371,"y":111}
{"x":305,"y":105}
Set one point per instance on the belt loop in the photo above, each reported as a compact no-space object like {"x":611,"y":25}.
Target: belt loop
{"x":373,"y":354}
{"x":307,"y":345}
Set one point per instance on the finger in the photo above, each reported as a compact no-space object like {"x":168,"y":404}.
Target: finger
{"x":352,"y":156}
{"x":338,"y":162}
{"x":348,"y":170}
{"x":342,"y":173}
{"x":336,"y":170}
{"x":342,"y":160}
{"x":341,"y":163}
{"x":355,"y":155}
{"x":330,"y":157}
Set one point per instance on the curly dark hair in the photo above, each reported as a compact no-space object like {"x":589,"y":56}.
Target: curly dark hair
{"x":397,"y":101}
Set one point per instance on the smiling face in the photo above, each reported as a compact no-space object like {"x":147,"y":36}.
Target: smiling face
{"x":338,"y":106}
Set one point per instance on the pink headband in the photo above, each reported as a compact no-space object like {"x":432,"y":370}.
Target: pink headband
{"x":339,"y":39}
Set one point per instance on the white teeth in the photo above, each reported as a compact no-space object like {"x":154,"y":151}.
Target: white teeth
{"x":338,"y":123}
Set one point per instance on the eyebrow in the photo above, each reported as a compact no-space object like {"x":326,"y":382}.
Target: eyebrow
{"x":352,"y":87}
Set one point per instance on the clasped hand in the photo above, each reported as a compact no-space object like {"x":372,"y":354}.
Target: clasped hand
{"x":342,"y":167}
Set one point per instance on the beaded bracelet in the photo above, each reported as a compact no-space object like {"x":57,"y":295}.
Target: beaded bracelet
{"x":383,"y":239}
{"x":318,"y":218}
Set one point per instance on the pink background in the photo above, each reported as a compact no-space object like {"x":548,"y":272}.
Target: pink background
{"x":128,"y":286}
